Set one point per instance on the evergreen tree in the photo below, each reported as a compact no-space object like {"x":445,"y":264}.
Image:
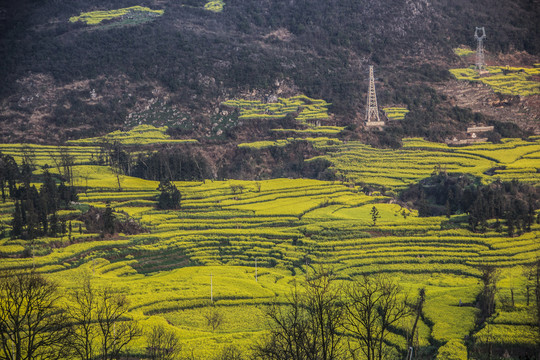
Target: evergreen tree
{"x":510,"y":224}
{"x":374,"y":215}
{"x":108,"y":219}
{"x":17,"y":222}
{"x":170,"y":196}
{"x":49,"y":193}
{"x":63,"y":228}
{"x":9,"y":173}
{"x":32,"y":220}
{"x":53,"y":225}
{"x":26,"y":173}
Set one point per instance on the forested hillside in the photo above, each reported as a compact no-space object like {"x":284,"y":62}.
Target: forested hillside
{"x":65,"y":79}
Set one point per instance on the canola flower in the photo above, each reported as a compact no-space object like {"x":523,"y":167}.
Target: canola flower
{"x":214,"y":6}
{"x":96,"y":17}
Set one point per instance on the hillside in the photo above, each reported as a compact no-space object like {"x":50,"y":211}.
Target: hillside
{"x":191,"y":59}
{"x":255,"y":239}
{"x":185,"y":179}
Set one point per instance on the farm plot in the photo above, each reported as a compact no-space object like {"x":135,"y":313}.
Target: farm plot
{"x":395,"y":113}
{"x":301,"y":106}
{"x":463,"y":51}
{"x":288,"y":226}
{"x":214,"y":6}
{"x":504,"y":80}
{"x":319,"y":142}
{"x":139,"y":135}
{"x":49,"y":155}
{"x":417,"y":159}
{"x":124,"y":16}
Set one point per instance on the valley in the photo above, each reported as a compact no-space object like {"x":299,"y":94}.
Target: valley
{"x":200,"y":179}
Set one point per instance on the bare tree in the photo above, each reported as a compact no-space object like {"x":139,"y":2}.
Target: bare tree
{"x":486,"y":299}
{"x":32,"y":324}
{"x":532,"y":285}
{"x":67,"y":161}
{"x":115,"y":330}
{"x":324,"y":305}
{"x":417,"y":310}
{"x":83,"y":315}
{"x":100,"y":325}
{"x":536,"y":311}
{"x":288,"y":338}
{"x":308,"y":326}
{"x":213,"y":317}
{"x":374,"y":306}
{"x":64,"y":163}
{"x":162,"y":344}
{"x":230,"y":352}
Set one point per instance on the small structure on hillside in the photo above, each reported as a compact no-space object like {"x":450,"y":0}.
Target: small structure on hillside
{"x":473,"y":134}
{"x":372,"y":112}
{"x":475,"y":130}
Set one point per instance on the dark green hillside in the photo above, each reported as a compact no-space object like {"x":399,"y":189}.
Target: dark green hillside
{"x":198,"y":58}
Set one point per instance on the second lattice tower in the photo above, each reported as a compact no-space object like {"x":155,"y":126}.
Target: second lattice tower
{"x":372,"y":112}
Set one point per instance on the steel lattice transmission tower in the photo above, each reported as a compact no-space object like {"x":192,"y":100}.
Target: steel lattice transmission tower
{"x":372,"y":112}
{"x":480,"y":35}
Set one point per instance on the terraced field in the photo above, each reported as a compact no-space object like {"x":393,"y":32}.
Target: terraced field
{"x":325,"y":130}
{"x":463,"y":51}
{"x":417,"y":159}
{"x":133,"y":14}
{"x":504,"y":80}
{"x":287,"y":226}
{"x":395,"y":113}
{"x":304,"y":108}
{"x":139,"y":135}
{"x":214,"y":5}
{"x":321,"y":141}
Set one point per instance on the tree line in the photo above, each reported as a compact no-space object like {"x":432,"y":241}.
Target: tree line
{"x":320,"y":319}
{"x":490,"y":299}
{"x":36,"y":323}
{"x":36,"y":210}
{"x":190,"y":163}
{"x":88,"y":323}
{"x":513,"y":202}
{"x":326,"y":320}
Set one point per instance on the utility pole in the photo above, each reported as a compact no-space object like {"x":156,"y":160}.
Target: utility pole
{"x":211,"y":289}
{"x":410,"y":353}
{"x":372,"y":112}
{"x":480,"y":35}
